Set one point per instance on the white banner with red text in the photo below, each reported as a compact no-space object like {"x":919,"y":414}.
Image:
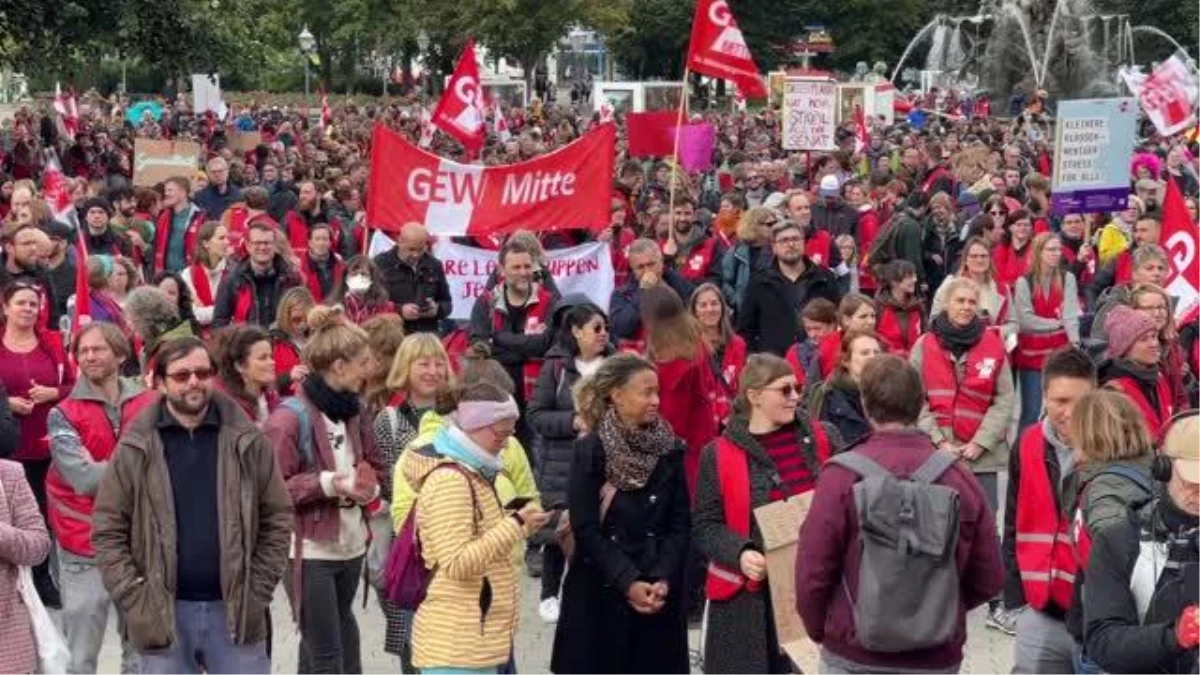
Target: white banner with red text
{"x":565,"y":189}
{"x":585,"y":269}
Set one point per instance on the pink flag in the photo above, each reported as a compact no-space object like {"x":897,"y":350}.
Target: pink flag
{"x":696,"y":146}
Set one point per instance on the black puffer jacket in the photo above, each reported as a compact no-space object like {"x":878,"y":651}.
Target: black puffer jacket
{"x":551,"y":411}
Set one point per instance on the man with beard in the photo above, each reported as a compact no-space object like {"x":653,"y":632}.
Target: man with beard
{"x":250,"y":293}
{"x":220,"y":194}
{"x":83,"y":430}
{"x":310,"y":210}
{"x":60,"y":268}
{"x":692,"y":251}
{"x":191,"y":524}
{"x":941,"y":246}
{"x":24,"y":255}
{"x":98,"y":237}
{"x":177,"y":226}
{"x":769,"y":319}
{"x":125,"y":222}
{"x":415,"y":281}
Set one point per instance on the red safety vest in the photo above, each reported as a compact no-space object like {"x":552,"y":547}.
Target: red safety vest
{"x":162,"y":236}
{"x":535,"y":312}
{"x":793,"y":358}
{"x":733,"y":476}
{"x":68,"y":512}
{"x":695,"y":266}
{"x":1045,"y":555}
{"x":957,"y":405}
{"x":1155,"y":417}
{"x":730,"y":368}
{"x":818,"y":246}
{"x":287,"y":356}
{"x":297,"y":232}
{"x":313,"y":281}
{"x":899,"y":339}
{"x":1033,"y":348}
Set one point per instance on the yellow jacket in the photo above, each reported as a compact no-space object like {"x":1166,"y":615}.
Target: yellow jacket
{"x":1110,"y":241}
{"x":453,"y":627}
{"x":514,"y":480}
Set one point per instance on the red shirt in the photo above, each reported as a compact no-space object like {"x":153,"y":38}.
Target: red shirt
{"x":17,"y":372}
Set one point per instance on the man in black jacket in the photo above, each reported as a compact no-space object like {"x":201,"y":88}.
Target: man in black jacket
{"x":415,"y":281}
{"x":99,"y":238}
{"x":831,"y":213}
{"x":769,"y":319}
{"x":1140,"y":604}
{"x":647,"y":269}
{"x":251,"y":291}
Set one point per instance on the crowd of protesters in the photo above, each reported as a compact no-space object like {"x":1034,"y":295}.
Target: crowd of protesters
{"x":256,"y":403}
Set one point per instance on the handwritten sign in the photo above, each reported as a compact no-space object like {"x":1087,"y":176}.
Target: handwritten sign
{"x":244,"y":141}
{"x":779,"y":522}
{"x":809,"y":114}
{"x":156,"y":161}
{"x":1093,"y":142}
{"x":585,"y":269}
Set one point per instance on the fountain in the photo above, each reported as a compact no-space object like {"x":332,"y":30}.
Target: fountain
{"x":1019,"y":46}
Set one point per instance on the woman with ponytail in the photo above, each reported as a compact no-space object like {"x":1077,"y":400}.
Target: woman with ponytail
{"x":327,"y":455}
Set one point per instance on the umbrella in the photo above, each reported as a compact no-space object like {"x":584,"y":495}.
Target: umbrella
{"x":138,"y":110}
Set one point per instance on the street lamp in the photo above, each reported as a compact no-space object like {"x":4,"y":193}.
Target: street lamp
{"x":307,"y":42}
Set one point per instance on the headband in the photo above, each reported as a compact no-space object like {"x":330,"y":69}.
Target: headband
{"x":475,"y":415}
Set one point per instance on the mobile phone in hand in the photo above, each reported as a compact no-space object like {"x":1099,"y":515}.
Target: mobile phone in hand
{"x":517,"y":503}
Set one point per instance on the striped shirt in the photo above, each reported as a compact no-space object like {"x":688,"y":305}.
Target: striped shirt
{"x":783,"y":448}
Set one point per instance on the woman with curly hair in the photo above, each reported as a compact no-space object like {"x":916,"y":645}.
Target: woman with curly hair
{"x":173,"y":285}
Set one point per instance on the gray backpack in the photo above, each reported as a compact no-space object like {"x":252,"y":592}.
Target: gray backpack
{"x":908,"y":578}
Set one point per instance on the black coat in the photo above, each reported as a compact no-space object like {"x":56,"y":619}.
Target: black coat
{"x":551,"y":412}
{"x":406,"y":284}
{"x":843,"y":409}
{"x":770,"y":313}
{"x":644,"y":537}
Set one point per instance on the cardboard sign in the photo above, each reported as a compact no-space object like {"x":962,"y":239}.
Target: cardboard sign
{"x":585,"y":269}
{"x":779,"y":522}
{"x":156,"y":161}
{"x":244,"y":141}
{"x":809,"y":109}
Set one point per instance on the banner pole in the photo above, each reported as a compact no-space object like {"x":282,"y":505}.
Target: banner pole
{"x":683,"y":97}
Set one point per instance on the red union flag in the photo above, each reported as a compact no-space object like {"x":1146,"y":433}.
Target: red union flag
{"x":718,"y":49}
{"x":459,"y":113}
{"x":1167,"y":96}
{"x":1179,"y":238}
{"x":568,"y":188}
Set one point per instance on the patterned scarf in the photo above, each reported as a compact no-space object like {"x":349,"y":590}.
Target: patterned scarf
{"x":632,"y":454}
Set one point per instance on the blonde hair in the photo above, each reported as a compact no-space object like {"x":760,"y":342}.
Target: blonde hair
{"x":412,"y":349}
{"x":297,"y":296}
{"x":1106,"y":426}
{"x":956,"y":284}
{"x":1168,"y":331}
{"x":747,"y":227}
{"x":332,"y":337}
{"x":759,"y":371}
{"x":385,"y":333}
{"x":593,"y":394}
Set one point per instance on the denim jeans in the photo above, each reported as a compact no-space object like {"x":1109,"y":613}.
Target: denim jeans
{"x":84,"y":618}
{"x":1030,"y":384}
{"x":202,"y":637}
{"x":329,"y":641}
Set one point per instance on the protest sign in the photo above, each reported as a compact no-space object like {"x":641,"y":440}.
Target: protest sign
{"x":206,"y":95}
{"x":1093,"y":142}
{"x":244,"y":141}
{"x":1168,"y":95}
{"x":809,"y":109}
{"x":156,"y":161}
{"x":779,"y":522}
{"x":565,"y":189}
{"x":585,"y":269}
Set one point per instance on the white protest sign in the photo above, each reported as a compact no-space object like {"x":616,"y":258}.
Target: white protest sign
{"x":809,"y":114}
{"x":206,"y":95}
{"x":585,"y":269}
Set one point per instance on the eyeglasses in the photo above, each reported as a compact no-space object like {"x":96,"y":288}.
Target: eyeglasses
{"x":185,"y":376}
{"x":787,"y":390}
{"x":789,"y":241}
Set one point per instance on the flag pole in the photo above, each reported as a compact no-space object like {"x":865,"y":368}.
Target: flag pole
{"x":683,"y":97}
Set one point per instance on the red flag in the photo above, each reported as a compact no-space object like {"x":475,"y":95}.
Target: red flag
{"x":651,"y":134}
{"x":568,"y":188}
{"x":64,"y":105}
{"x":862,"y":137}
{"x":459,"y":113}
{"x":83,"y":303}
{"x":1179,"y":238}
{"x":718,"y":48}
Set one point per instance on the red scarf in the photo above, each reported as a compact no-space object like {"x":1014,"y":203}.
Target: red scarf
{"x":204,"y":296}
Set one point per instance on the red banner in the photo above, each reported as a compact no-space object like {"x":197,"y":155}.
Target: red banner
{"x":651,"y":134}
{"x":459,"y":112}
{"x":1179,"y":238}
{"x":568,"y":188}
{"x":718,"y":48}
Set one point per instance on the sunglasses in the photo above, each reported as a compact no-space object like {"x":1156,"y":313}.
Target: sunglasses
{"x":787,"y":390}
{"x":185,"y":376}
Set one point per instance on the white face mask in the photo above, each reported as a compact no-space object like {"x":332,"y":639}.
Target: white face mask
{"x":358,"y":283}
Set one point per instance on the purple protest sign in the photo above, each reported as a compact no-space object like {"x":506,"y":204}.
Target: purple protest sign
{"x":696,"y":143}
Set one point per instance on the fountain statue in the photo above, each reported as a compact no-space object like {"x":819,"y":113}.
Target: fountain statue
{"x":1017,"y":47}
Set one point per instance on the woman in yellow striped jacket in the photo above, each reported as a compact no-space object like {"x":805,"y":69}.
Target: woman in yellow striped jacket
{"x":467,"y":620}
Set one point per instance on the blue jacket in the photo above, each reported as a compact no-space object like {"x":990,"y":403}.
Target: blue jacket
{"x":625,"y":310}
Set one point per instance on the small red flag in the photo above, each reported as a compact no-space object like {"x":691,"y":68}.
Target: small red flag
{"x":460,"y":113}
{"x":718,"y":49}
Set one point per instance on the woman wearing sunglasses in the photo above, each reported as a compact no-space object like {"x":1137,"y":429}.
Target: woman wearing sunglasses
{"x":771,"y":450}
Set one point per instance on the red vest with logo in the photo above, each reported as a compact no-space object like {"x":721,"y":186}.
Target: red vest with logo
{"x":297,"y":232}
{"x":1155,"y":416}
{"x":68,"y":512}
{"x":1045,"y":554}
{"x":699,"y":260}
{"x":535,"y":313}
{"x":733,"y":476}
{"x":899,"y":336}
{"x":162,"y":236}
{"x":313,"y":281}
{"x":1033,"y":348}
{"x":818,"y":246}
{"x":961,"y":406}
{"x":730,"y":369}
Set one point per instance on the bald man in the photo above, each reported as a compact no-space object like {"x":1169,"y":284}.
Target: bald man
{"x":415,"y":280}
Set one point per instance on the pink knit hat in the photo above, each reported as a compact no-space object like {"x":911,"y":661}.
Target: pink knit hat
{"x":1125,"y":326}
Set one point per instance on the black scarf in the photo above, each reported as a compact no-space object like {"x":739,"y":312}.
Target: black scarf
{"x":338,"y":406}
{"x":958,"y":339}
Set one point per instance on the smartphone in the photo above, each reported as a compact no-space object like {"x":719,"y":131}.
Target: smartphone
{"x":558,"y":506}
{"x":1191,"y":583}
{"x":517,"y":503}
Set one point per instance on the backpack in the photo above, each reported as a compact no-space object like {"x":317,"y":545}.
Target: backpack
{"x":908,"y":588}
{"x":307,"y":452}
{"x":406,"y":578}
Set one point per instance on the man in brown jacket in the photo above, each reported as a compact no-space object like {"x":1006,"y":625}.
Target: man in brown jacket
{"x":191,"y":525}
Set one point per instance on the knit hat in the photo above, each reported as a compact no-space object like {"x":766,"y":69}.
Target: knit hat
{"x":1125,"y":326}
{"x":97,"y":203}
